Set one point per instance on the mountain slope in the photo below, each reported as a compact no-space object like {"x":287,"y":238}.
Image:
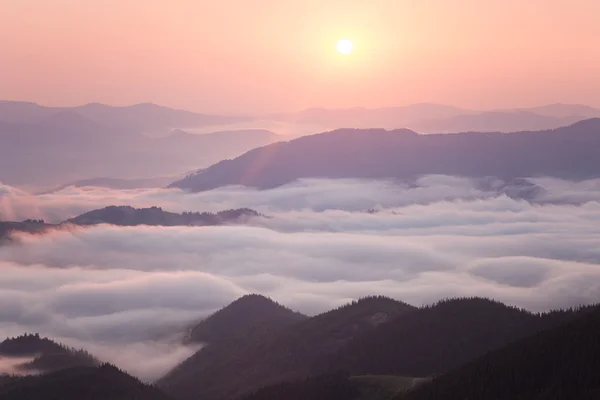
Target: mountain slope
{"x":338,"y":386}
{"x":243,"y":317}
{"x":43,"y":354}
{"x":439,"y":338}
{"x":260,"y":358}
{"x":86,"y":383}
{"x":568,"y":152}
{"x":560,"y":363}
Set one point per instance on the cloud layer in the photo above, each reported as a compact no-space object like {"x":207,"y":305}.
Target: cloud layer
{"x":305,"y":194}
{"x":128,"y":294}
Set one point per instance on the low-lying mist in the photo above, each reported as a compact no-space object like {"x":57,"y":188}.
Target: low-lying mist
{"x":128,"y":295}
{"x":305,"y":194}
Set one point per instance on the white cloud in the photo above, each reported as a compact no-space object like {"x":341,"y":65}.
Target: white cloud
{"x":125,"y":292}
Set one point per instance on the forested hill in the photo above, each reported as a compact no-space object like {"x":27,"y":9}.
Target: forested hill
{"x":556,"y":364}
{"x":105,"y":382}
{"x":129,"y":216}
{"x":44,"y":354}
{"x":264,"y":353}
{"x":438,"y":338}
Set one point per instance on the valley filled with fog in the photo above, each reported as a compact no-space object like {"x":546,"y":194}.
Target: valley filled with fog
{"x":130,"y":294}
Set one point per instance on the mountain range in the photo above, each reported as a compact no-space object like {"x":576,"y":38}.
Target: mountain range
{"x":105,"y":382}
{"x":372,"y":336}
{"x":140,"y":118}
{"x":568,"y":153}
{"x":437,"y":118}
{"x":375,"y":348}
{"x":47,"y":146}
{"x":286,"y":344}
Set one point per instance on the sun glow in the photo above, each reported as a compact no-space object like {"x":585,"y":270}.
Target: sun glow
{"x":344,"y":46}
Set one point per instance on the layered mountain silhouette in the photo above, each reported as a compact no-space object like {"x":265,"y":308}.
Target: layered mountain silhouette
{"x":375,"y":348}
{"x":145,"y":118}
{"x":437,"y":118}
{"x":105,"y":382}
{"x":272,"y":349}
{"x":495,"y":121}
{"x":568,"y":152}
{"x":47,"y":146}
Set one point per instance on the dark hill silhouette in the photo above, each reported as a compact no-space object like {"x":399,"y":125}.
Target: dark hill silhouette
{"x":247,"y":361}
{"x":29,"y":226}
{"x":129,"y":216}
{"x":248,"y":315}
{"x":556,"y":364}
{"x":438,"y":338}
{"x":105,"y":382}
{"x":46,"y":354}
{"x":568,"y":152}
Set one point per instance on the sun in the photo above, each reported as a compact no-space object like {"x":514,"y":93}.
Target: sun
{"x":344,"y":46}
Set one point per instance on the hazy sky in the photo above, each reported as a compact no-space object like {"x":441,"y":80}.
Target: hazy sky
{"x":239,"y":56}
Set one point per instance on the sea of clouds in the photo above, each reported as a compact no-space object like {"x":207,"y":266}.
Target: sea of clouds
{"x":128,"y":294}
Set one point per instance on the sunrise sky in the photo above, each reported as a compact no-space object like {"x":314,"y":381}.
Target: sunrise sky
{"x":249,"y":56}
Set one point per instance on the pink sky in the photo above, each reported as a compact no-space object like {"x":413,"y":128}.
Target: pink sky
{"x":240,"y":56}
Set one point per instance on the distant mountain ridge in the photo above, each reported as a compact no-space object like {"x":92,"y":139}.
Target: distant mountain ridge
{"x":99,"y":140}
{"x":438,"y":118}
{"x":139,"y":117}
{"x":568,"y":153}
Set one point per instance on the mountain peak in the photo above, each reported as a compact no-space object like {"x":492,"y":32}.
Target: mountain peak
{"x":247,"y":313}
